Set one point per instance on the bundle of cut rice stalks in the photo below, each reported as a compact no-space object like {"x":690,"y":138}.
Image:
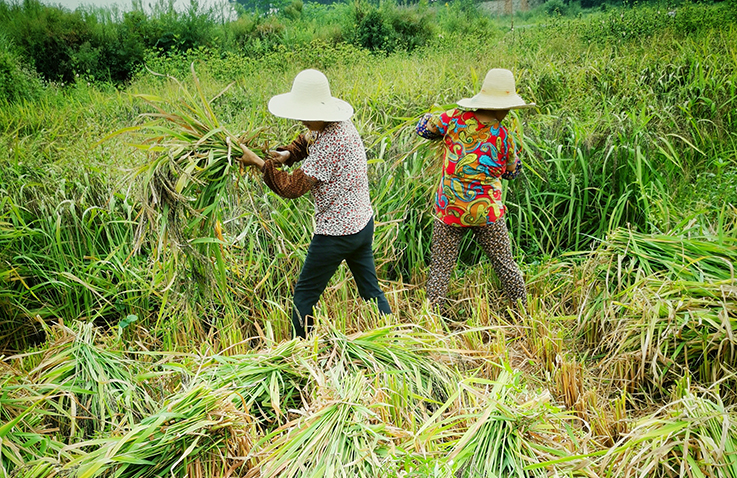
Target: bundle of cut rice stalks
{"x":192,"y":169}
{"x":196,"y":433}
{"x":340,"y":436}
{"x":695,"y":435}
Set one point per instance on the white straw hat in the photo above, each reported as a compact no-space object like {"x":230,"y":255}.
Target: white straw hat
{"x":310,"y":100}
{"x":497,"y":93}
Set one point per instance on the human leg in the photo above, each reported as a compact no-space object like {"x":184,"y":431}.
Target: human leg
{"x":320,"y":264}
{"x":494,"y":240}
{"x":446,"y":240}
{"x":363,"y":268}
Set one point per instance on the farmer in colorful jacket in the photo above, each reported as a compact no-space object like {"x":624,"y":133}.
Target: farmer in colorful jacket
{"x":335,"y":171}
{"x":478,"y":151}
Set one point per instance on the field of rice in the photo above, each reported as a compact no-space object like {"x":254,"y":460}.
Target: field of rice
{"x":145,"y":280}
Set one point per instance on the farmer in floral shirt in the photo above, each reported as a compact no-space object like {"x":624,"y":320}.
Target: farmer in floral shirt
{"x":335,"y":171}
{"x":478,"y":152}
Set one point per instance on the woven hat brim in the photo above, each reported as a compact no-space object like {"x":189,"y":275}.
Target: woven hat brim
{"x":289,"y":106}
{"x":489,"y":103}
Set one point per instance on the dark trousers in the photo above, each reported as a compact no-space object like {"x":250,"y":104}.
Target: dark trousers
{"x":323,"y":258}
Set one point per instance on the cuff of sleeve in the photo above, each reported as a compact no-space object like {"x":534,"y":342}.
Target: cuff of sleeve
{"x":422,"y":127}
{"x":513,"y":174}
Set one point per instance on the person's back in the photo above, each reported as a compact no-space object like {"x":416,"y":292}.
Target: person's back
{"x":337,"y":159}
{"x":478,"y":152}
{"x":335,"y":171}
{"x":475,"y":156}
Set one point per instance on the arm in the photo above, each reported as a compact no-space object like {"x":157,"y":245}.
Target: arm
{"x":428,"y":128}
{"x":296,"y":151}
{"x":288,"y":185}
{"x":514,"y":165}
{"x":513,"y":171}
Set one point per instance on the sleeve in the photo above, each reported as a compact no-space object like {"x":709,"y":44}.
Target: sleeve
{"x":509,"y":175}
{"x":322,"y":161}
{"x":433,"y":126}
{"x":297,"y":150}
{"x":512,"y":159}
{"x":289,"y":185}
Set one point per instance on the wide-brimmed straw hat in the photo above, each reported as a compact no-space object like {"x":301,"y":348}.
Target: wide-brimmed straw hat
{"x":310,"y":100}
{"x":497,"y":93}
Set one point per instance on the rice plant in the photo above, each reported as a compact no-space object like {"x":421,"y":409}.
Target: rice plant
{"x":183,"y":186}
{"x":64,"y":257}
{"x":196,"y":432}
{"x":688,"y":255}
{"x":89,"y":389}
{"x":37,"y":469}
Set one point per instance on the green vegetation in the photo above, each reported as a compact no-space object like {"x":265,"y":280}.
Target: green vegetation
{"x":116,"y":361}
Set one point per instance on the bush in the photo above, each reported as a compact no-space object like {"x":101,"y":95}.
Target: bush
{"x":373,"y":32}
{"x":48,"y":37}
{"x":556,"y":7}
{"x":619,"y":25}
{"x":412,"y":26}
{"x":17,"y":82}
{"x":62,"y":45}
{"x":390,"y":28}
{"x":463,"y":17}
{"x":294,"y":9}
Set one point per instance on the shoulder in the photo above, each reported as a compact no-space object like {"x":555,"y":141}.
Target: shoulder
{"x":505,"y":134}
{"x":452,"y":114}
{"x":341,"y":128}
{"x":338,"y":133}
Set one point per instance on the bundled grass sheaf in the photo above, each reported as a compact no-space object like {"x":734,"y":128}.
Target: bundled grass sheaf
{"x":417,"y":354}
{"x":26,"y":439}
{"x":266,"y":383}
{"x":194,"y":158}
{"x":197,"y":432}
{"x":694,"y":435}
{"x":340,"y":436}
{"x":88,"y":388}
{"x":509,"y":432}
{"x":664,"y":306}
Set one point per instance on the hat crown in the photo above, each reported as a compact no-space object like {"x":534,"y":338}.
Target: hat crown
{"x":499,"y":82}
{"x":310,"y":100}
{"x":311,"y":86}
{"x":498,"y":92}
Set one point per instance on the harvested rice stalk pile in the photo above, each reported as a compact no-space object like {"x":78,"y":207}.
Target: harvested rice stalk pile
{"x":192,"y":169}
{"x":664,"y":307}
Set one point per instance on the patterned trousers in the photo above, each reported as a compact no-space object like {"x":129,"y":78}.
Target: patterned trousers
{"x":493,"y":239}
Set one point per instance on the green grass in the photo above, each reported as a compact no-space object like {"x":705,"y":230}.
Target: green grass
{"x":623,"y":223}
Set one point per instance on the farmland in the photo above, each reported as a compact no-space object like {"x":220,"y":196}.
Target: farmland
{"x":122,"y":356}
